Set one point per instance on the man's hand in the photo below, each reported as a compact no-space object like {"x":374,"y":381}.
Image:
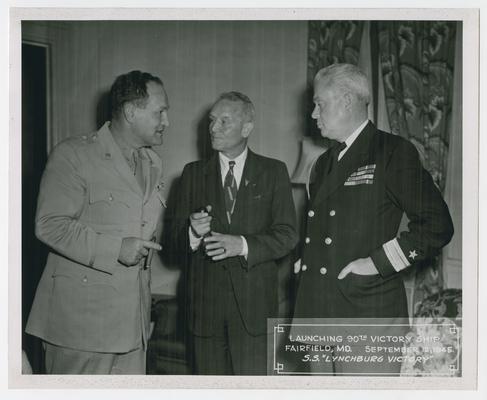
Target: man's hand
{"x":134,"y":249}
{"x":201,"y":222}
{"x":219,"y":246}
{"x":360,"y":266}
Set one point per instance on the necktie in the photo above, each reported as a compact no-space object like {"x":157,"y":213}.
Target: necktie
{"x":140,"y":164}
{"x":333,"y":157}
{"x":230,"y":190}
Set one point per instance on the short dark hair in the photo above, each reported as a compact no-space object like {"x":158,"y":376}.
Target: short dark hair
{"x":130,"y":87}
{"x":248,"y":107}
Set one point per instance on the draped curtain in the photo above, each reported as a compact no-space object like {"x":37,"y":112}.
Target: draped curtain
{"x":333,"y":42}
{"x":414,"y":75}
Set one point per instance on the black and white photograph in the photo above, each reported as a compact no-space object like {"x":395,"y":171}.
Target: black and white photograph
{"x":238,"y":198}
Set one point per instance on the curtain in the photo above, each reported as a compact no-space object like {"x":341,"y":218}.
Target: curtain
{"x":331,"y":42}
{"x":416,"y":60}
{"x":412,"y":91}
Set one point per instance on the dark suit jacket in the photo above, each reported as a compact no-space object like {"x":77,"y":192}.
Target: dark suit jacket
{"x":264,"y":214}
{"x":355,"y":212}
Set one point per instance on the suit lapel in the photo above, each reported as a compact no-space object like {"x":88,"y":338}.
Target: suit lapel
{"x":356,"y":156}
{"x":213,"y":190}
{"x":112,"y":154}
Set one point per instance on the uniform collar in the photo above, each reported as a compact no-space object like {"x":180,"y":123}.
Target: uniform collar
{"x":355,"y":133}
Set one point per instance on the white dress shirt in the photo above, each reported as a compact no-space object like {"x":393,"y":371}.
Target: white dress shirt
{"x":237,"y":173}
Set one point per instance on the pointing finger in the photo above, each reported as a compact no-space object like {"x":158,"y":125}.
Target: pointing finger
{"x":151,"y":245}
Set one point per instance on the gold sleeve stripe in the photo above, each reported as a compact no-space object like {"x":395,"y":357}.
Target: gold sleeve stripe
{"x":395,"y":255}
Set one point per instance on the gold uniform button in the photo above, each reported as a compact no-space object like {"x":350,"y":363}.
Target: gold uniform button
{"x":307,"y":240}
{"x":85,"y":279}
{"x":304,"y":267}
{"x":323,"y":270}
{"x":332,"y":213}
{"x":311,"y":213}
{"x":110,"y":198}
{"x":328,"y":241}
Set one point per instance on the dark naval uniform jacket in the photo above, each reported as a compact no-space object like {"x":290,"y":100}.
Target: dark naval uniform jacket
{"x":264,"y":214}
{"x":355,"y":212}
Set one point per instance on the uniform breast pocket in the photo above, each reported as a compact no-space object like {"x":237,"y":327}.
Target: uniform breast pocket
{"x":109,"y":205}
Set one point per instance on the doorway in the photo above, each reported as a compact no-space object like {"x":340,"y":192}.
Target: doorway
{"x":35,"y":89}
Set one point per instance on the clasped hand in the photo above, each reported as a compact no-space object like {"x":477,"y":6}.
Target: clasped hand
{"x":219,"y":246}
{"x":200,"y":222}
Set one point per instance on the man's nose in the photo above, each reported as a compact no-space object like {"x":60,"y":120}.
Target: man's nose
{"x":165,"y":119}
{"x":214,"y":126}
{"x":315,"y":113}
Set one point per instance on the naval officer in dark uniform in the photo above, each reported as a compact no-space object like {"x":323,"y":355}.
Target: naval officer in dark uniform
{"x":352,"y":253}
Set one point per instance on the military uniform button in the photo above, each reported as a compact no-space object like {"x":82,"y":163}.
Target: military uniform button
{"x":304,"y":267}
{"x":332,"y":213}
{"x":323,"y":270}
{"x":307,"y":240}
{"x":110,"y":197}
{"x":143,"y":223}
{"x":328,"y":240}
{"x":311,"y":213}
{"x":85,"y":279}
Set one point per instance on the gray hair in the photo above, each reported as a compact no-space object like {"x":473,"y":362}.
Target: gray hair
{"x":346,"y":78}
{"x":248,"y":107}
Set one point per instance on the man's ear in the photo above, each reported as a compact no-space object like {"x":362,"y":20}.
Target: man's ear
{"x":348,"y":100}
{"x":128,"y":111}
{"x":247,"y":129}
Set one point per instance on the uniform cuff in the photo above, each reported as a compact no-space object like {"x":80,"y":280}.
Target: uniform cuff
{"x":107,"y":251}
{"x":389,"y":258}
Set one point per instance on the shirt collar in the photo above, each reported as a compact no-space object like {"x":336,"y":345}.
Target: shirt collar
{"x":239,"y":160}
{"x":349,"y":141}
{"x":125,"y":148}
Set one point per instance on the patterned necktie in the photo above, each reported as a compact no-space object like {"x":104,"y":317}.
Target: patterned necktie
{"x":230,"y":189}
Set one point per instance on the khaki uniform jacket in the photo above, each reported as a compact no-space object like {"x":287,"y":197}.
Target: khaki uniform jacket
{"x":89,"y":200}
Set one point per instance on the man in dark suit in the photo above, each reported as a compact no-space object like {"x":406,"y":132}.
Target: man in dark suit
{"x":236,"y":217}
{"x":352,"y":253}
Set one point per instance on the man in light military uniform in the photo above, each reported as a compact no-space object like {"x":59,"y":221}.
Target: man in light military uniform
{"x":351,"y":255}
{"x":99,"y":208}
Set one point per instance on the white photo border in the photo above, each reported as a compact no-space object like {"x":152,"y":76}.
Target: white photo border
{"x":470,"y":248}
